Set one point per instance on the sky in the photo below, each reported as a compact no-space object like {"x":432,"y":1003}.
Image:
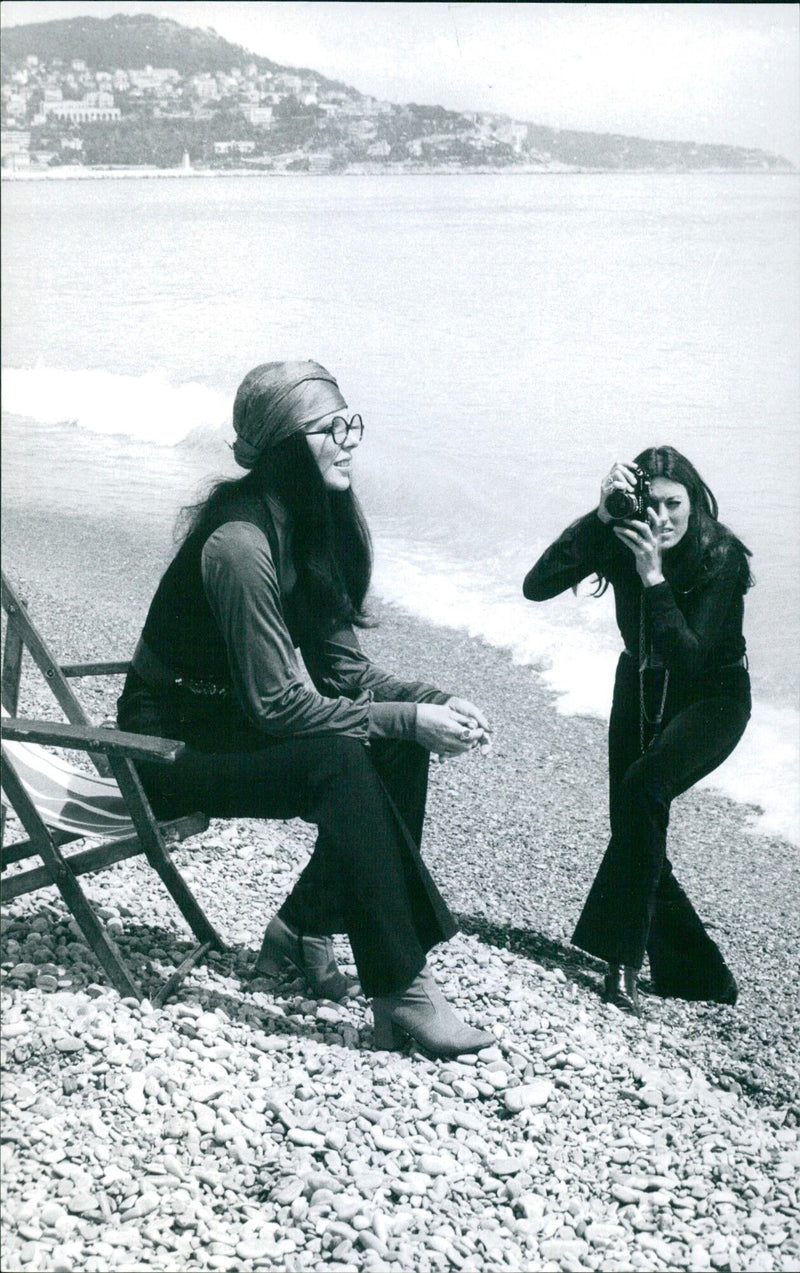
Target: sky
{"x":726,"y":73}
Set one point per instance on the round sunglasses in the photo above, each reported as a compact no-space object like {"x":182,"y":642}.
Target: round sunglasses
{"x":340,"y":429}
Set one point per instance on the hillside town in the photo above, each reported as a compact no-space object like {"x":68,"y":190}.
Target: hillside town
{"x":139,"y":92}
{"x":55,"y":114}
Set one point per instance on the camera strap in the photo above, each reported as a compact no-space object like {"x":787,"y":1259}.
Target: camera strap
{"x":644,"y":662}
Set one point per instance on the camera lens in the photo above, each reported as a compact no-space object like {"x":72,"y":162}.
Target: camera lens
{"x":621,"y":504}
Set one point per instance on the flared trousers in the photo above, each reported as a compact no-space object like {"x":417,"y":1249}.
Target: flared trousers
{"x":366,"y":876}
{"x":636,"y":905}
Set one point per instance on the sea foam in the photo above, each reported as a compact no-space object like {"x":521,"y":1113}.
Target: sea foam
{"x":574,"y":652}
{"x":146,"y":407}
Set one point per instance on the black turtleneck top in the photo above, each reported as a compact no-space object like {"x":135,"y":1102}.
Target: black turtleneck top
{"x":693,"y":620}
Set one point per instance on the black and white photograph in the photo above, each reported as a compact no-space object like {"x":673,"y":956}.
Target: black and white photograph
{"x":400,"y":628}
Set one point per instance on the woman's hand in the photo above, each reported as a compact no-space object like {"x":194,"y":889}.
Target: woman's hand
{"x":644,"y":541}
{"x":621,"y":478}
{"x":448,"y":730}
{"x":476,"y":717}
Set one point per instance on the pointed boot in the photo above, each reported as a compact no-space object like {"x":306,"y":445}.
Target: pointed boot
{"x":284,"y":949}
{"x":620,"y":988}
{"x":422,"y":1013}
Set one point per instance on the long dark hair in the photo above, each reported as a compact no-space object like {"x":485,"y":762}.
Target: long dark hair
{"x":706,"y":543}
{"x":329,"y":540}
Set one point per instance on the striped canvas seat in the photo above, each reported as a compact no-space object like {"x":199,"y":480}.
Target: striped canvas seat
{"x":57,"y":803}
{"x":66,"y":798}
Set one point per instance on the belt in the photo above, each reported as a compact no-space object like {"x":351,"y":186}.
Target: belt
{"x":714,"y":667}
{"x":160,"y":677}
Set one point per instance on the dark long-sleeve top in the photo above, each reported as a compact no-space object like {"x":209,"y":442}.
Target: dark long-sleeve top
{"x":247,"y":589}
{"x":689,"y":629}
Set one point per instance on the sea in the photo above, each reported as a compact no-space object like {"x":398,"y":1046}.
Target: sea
{"x":505,"y":337}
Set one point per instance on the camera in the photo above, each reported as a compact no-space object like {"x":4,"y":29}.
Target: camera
{"x":626,"y":505}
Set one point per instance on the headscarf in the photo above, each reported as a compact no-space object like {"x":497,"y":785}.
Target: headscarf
{"x":275,"y":400}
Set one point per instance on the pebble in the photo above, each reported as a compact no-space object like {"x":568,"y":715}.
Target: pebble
{"x":528,"y":1096}
{"x":504,"y":1166}
{"x":69,"y":1044}
{"x":411,"y":1183}
{"x":135,"y":1098}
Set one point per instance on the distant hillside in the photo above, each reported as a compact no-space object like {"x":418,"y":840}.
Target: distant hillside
{"x":137,"y":90}
{"x":128,"y":41}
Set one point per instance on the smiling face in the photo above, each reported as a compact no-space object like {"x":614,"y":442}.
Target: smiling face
{"x":671,"y":504}
{"x":333,"y":461}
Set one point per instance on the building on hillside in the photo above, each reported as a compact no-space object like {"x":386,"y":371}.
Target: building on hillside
{"x":320,"y":163}
{"x":79,"y":113}
{"x":234,"y":147}
{"x":15,"y":149}
{"x":16,"y":105}
{"x":99,"y":98}
{"x":261,"y":116}
{"x":205,"y":87}
{"x":150,"y":78}
{"x":512,"y":133}
{"x":72,"y":143}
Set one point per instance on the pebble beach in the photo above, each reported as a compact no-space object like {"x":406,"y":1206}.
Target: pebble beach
{"x":246,"y":1127}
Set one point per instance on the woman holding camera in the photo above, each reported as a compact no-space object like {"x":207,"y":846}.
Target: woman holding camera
{"x":275,"y":561}
{"x":681,"y":703}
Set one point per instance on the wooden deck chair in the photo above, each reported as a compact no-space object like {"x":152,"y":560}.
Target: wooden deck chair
{"x":58,"y":804}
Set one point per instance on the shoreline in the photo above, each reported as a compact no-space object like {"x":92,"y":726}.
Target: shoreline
{"x":72,"y":172}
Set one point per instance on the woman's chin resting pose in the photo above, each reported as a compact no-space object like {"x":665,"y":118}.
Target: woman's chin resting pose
{"x":681,"y":703}
{"x":272,"y":562}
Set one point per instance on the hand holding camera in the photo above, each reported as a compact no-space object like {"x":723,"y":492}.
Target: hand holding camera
{"x":625,"y":503}
{"x":624,"y":493}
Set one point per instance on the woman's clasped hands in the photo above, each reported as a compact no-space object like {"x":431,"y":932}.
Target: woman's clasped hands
{"x":452,"y":728}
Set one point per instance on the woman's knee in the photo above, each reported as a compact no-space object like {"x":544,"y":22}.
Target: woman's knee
{"x":345,"y":759}
{"x":646,"y":779}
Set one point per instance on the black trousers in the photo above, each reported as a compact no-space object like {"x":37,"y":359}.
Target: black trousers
{"x":636,"y":904}
{"x":366,"y":876}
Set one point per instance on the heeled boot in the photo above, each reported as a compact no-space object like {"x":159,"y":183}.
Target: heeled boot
{"x":284,"y":948}
{"x":620,"y":988}
{"x":422,"y":1013}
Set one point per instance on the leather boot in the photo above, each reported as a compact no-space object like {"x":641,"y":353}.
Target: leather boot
{"x":422,"y":1013}
{"x":620,"y":988}
{"x":285,"y":948}
{"x":727,"y":993}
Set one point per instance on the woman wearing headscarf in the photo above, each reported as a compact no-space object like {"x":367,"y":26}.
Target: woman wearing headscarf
{"x":273,"y":562}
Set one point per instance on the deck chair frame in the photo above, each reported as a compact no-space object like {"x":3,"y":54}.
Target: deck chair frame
{"x":112,"y":752}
